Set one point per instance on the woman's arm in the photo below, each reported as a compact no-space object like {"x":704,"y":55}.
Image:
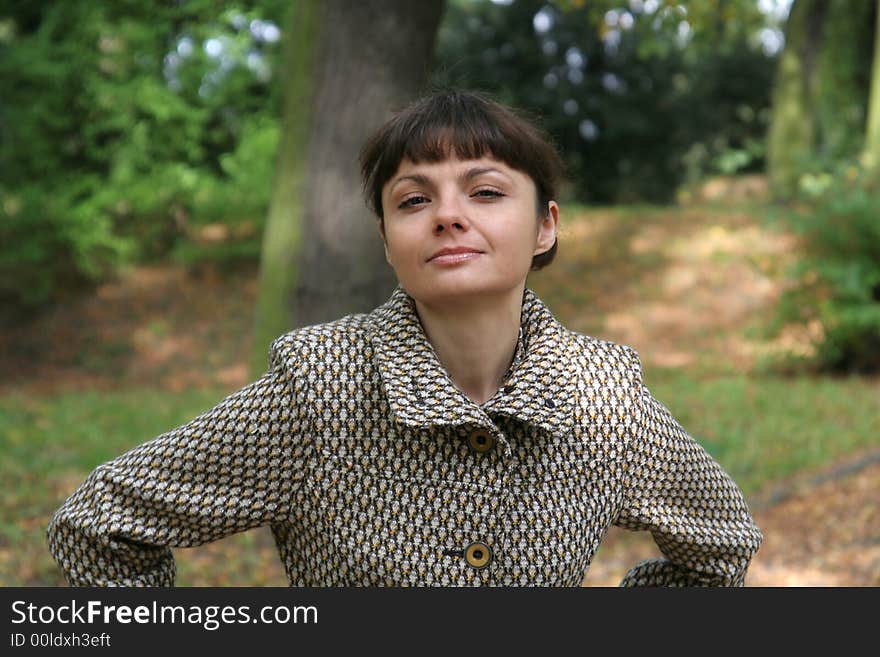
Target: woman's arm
{"x":230,"y":469}
{"x":693,"y":509}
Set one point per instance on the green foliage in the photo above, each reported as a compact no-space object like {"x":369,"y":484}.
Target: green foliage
{"x":638,"y":102}
{"x":818,"y":129}
{"x":838,"y":281}
{"x":124,"y":128}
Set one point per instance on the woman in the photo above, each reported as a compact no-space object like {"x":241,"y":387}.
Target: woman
{"x":457,"y":435}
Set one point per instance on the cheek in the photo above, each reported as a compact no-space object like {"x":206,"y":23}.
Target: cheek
{"x":521,"y":236}
{"x":399,"y":246}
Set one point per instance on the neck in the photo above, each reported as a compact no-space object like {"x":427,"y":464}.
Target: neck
{"x":475,"y":342}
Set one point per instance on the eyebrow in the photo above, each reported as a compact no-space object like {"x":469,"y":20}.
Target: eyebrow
{"x":470,"y":174}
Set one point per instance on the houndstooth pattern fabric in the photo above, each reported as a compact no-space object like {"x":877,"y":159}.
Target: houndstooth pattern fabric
{"x":373,"y":469}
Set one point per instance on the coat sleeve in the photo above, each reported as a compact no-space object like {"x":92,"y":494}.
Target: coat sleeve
{"x":230,"y":469}
{"x":695,"y":512}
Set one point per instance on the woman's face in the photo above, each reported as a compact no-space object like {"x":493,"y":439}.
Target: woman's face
{"x":460,"y":229}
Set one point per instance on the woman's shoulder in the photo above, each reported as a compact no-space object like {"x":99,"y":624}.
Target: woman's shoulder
{"x":601,"y":353}
{"x":587,"y":351}
{"x":307,"y":343}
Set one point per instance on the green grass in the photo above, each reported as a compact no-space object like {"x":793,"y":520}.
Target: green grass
{"x":762,"y":429}
{"x":759,"y":429}
{"x":50,"y":443}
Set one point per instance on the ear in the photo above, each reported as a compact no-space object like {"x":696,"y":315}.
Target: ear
{"x":381,"y":228}
{"x":547,"y":229}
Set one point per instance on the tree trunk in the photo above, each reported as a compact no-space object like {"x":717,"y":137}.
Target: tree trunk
{"x":819,"y":101}
{"x":840,"y":90}
{"x":792,"y":133}
{"x":349,"y":65}
{"x":373,"y":57}
{"x":871,"y":152}
{"x":281,"y":236}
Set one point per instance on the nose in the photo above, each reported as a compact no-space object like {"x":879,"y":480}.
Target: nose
{"x":450,"y":216}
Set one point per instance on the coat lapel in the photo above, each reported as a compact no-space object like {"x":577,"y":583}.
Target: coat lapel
{"x":539,"y":389}
{"x":418,"y":389}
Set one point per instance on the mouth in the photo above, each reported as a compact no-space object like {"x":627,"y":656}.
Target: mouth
{"x":454,"y":255}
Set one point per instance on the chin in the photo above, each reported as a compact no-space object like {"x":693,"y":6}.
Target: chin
{"x":460,"y":291}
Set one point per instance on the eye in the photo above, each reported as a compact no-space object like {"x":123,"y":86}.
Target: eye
{"x":413,"y":201}
{"x":487,"y":193}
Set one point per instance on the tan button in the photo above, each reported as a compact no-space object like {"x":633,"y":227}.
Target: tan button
{"x":481,"y":441}
{"x":478,"y":555}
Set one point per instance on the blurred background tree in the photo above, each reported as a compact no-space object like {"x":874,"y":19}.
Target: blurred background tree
{"x":822,"y":147}
{"x":821,"y":94}
{"x":347,"y":66}
{"x":141,"y":131}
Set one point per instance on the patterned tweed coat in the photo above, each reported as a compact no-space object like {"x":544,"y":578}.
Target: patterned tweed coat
{"x":372,"y":468}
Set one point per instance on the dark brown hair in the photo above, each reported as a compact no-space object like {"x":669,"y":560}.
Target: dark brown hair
{"x":469,"y":125}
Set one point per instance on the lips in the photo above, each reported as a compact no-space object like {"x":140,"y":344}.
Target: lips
{"x":454,"y":254}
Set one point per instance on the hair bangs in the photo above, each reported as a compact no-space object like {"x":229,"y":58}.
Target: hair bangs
{"x":466,"y":137}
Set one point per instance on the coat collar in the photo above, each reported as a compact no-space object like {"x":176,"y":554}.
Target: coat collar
{"x":539,"y":388}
